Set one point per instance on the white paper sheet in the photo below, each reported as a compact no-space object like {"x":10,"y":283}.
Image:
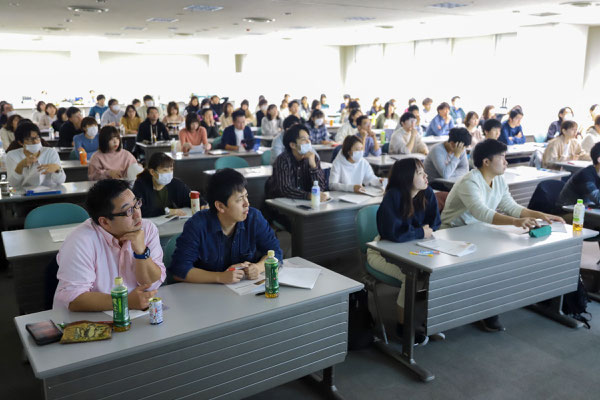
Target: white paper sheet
{"x":299,"y":277}
{"x":452,"y":247}
{"x":245,"y":286}
{"x":60,"y":234}
{"x":133,"y":314}
{"x":354,"y":198}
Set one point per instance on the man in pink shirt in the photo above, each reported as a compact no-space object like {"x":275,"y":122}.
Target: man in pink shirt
{"x":115,"y":241}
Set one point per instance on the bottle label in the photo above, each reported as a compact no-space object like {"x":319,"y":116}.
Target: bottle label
{"x":271,"y":276}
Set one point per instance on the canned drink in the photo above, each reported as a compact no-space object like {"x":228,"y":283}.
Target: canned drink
{"x":156,"y":311}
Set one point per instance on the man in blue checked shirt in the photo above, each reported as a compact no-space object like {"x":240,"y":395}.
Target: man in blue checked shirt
{"x":442,"y":123}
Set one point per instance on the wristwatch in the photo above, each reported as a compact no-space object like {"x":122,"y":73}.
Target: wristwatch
{"x":145,"y":255}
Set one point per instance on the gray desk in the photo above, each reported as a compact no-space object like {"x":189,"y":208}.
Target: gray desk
{"x":325,"y":151}
{"x":324,"y":234}
{"x":524,"y":150}
{"x":129,"y":141}
{"x":15,"y":207}
{"x":431,"y":141}
{"x":150,"y":149}
{"x":572,"y":166}
{"x":75,"y":171}
{"x":189,"y":167}
{"x":521,"y":181}
{"x":265,"y":141}
{"x":64,"y":152}
{"x":212,"y":344}
{"x":382,"y":164}
{"x":508,"y":271}
{"x":30,"y":250}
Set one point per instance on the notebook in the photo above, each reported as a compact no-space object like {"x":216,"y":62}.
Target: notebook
{"x":452,"y":247}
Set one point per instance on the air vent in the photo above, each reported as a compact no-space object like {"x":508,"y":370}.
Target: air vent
{"x":448,"y":5}
{"x":201,"y":8}
{"x":88,"y":9}
{"x":162,"y":19}
{"x":577,"y":4}
{"x":359,"y":19}
{"x":258,"y":20}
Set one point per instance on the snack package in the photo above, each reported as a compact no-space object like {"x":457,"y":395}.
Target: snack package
{"x":86,"y":331}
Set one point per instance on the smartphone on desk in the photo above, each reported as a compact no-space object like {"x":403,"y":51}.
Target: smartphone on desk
{"x":304,"y":207}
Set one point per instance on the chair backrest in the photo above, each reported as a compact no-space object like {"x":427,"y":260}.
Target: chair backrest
{"x":55,"y":214}
{"x":335,"y":152}
{"x":385,"y":149}
{"x":265,"y":158}
{"x":216,"y":144}
{"x":74,"y":155}
{"x":168,"y":258}
{"x":441,"y":200}
{"x":545,"y":196}
{"x":366,"y":226}
{"x":231,"y":162}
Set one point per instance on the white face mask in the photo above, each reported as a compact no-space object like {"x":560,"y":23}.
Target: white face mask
{"x":91,"y":131}
{"x":305,"y":148}
{"x":568,"y":117}
{"x":10,"y":113}
{"x":115,"y":108}
{"x":356,"y":156}
{"x":263,"y":109}
{"x":149,"y":103}
{"x":165,"y":179}
{"x":319,"y":121}
{"x":33,"y":148}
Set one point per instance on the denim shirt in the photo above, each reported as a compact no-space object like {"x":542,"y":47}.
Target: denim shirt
{"x":202,"y":243}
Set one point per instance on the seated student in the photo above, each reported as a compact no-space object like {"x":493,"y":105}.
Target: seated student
{"x":159,"y":191}
{"x":406,"y":139}
{"x":272,"y":124}
{"x":262,"y":111}
{"x":478,"y":194}
{"x":33,"y":165}
{"x":229,"y":241}
{"x":100,"y":107}
{"x":388,"y":119}
{"x":349,"y":127}
{"x":227,"y":117}
{"x":7,"y":132}
{"x":448,"y":160}
{"x":491,"y":129}
{"x":564,"y":114}
{"x":584,"y":184}
{"x":350,"y":172}
{"x":152,"y":130}
{"x":193,"y":138}
{"x":409,"y":211}
{"x":110,"y":161}
{"x":414,"y":109}
{"x":61,"y":118}
{"x":367,"y":136}
{"x":238,"y":136}
{"x":40,"y":110}
{"x":511,"y":131}
{"x":114,"y":241}
{"x":427,"y":114}
{"x":277,"y":146}
{"x":87,"y":141}
{"x":284,"y":110}
{"x":193,"y":106}
{"x":294,"y":109}
{"x":48,"y":117}
{"x":441,"y":124}
{"x":245,"y":107}
{"x":565,"y":147}
{"x":592,"y":136}
{"x":208,"y":123}
{"x":145,"y":109}
{"x":456,"y":112}
{"x":130,"y":120}
{"x":173,"y":119}
{"x":489,"y":112}
{"x":113,"y":115}
{"x":317,"y":128}
{"x":70,"y":128}
{"x":471,"y":123}
{"x":296,"y":168}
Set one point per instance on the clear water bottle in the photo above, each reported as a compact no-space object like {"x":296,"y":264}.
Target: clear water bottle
{"x":98,"y":118}
{"x":51,"y":133}
{"x":2,"y":157}
{"x":578,"y":215}
{"x":315,"y":196}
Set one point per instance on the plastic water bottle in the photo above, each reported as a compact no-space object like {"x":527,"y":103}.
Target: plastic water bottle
{"x":119,"y":293}
{"x":578,"y":215}
{"x":2,"y":157}
{"x":51,"y":133}
{"x":98,"y":118}
{"x":271,"y":276}
{"x":315,"y":196}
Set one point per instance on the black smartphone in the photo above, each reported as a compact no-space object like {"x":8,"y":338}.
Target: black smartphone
{"x":304,"y":207}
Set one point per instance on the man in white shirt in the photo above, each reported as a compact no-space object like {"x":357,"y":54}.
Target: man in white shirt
{"x":427,"y":115}
{"x":33,"y":165}
{"x":112,"y":116}
{"x":478,"y":194}
{"x":406,"y":138}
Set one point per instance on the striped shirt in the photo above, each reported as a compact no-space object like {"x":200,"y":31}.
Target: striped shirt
{"x":294,"y":179}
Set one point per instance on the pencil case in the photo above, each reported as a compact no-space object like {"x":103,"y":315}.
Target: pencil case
{"x":545,"y":230}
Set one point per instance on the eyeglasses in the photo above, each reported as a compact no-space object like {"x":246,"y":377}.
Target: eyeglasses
{"x":129,"y":211}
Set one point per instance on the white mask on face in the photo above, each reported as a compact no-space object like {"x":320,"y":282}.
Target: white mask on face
{"x":91,"y":131}
{"x":115,"y":108}
{"x":149,"y":103}
{"x":319,"y":121}
{"x":305,"y":148}
{"x":10,"y":113}
{"x":356,"y":156}
{"x":568,"y":117}
{"x":263,"y":108}
{"x":33,"y":148}
{"x":165,"y":179}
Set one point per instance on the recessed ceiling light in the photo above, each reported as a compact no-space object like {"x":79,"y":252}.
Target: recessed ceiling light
{"x":299,"y":27}
{"x":256,"y":33}
{"x":385,"y":26}
{"x":286,"y":38}
{"x":54,"y":29}
{"x":545,"y":14}
{"x":172,"y":28}
{"x":287,"y":13}
{"x":359,"y":19}
{"x":577,"y":3}
{"x":516,"y":11}
{"x":88,"y":9}
{"x":37,"y":39}
{"x":134,"y":28}
{"x":14,"y":4}
{"x":140,"y":42}
{"x":200,"y":8}
{"x":184,"y":34}
{"x":68,"y":20}
{"x":448,"y":5}
{"x":258,"y":19}
{"x":162,"y":19}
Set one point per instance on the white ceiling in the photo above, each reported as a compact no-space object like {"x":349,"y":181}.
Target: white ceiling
{"x":329,"y":17}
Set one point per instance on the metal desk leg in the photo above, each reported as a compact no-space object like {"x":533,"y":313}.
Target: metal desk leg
{"x":554,"y":311}
{"x":326,"y":384}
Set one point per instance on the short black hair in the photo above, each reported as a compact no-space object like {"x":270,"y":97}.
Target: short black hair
{"x":262,"y":102}
{"x":99,"y":200}
{"x":316,"y":113}
{"x":72,"y":111}
{"x":100,"y":97}
{"x":595,"y":153}
{"x":346,"y":96}
{"x":150,"y":109}
{"x":514,"y":112}
{"x":105,"y":135}
{"x":349,"y":141}
{"x":24,"y":130}
{"x":222,"y":185}
{"x":567,"y":125}
{"x":491,"y":124}
{"x":460,"y":135}
{"x":352,"y":114}
{"x":442,"y":106}
{"x":238,"y":113}
{"x":413,"y":108}
{"x":454,"y":98}
{"x":291,"y":103}
{"x":88,"y":121}
{"x":406,"y":116}
{"x":113,"y":101}
{"x":360,"y":119}
{"x":427,"y":100}
{"x":60,"y":113}
{"x":205,"y":110}
{"x":148,"y":97}
{"x":487,"y":149}
{"x":292,"y":134}
{"x":353,"y":105}
{"x":290,"y":121}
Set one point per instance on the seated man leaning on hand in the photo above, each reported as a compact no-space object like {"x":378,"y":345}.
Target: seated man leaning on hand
{"x":115,"y":241}
{"x":229,"y":241}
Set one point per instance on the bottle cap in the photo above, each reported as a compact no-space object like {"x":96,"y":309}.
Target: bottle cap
{"x":579,"y":201}
{"x":194,"y":194}
{"x":316,"y":183}
{"x":271,"y":253}
{"x":118,"y":281}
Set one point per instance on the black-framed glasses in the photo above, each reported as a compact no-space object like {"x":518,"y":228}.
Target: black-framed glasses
{"x":129,"y":211}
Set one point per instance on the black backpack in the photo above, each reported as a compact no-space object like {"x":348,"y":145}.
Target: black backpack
{"x":360,"y":322}
{"x":575,"y":304}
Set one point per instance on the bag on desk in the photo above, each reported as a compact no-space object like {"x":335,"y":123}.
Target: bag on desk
{"x":575,"y":304}
{"x":360,"y":322}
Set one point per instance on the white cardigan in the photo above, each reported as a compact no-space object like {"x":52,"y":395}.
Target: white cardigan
{"x":344,"y":174}
{"x":30,"y":176}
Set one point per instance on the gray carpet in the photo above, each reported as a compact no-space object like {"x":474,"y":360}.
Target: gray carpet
{"x":536,"y":358}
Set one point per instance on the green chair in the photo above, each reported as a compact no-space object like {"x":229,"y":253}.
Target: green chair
{"x":74,"y":155}
{"x":265,"y":158}
{"x":55,"y":214}
{"x":168,"y":257}
{"x":216,"y":144}
{"x":231,"y":162}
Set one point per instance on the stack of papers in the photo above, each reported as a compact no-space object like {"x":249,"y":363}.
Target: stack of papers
{"x":166,"y":218}
{"x":452,"y":247}
{"x":289,"y":275}
{"x":60,"y":234}
{"x":354,"y":198}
